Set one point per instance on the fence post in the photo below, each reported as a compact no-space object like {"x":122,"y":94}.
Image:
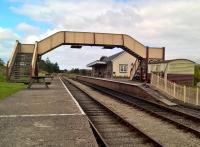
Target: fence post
{"x":157,"y":81}
{"x":151,"y":78}
{"x":184,"y":94}
{"x":165,"y":82}
{"x":197,"y":96}
{"x":174,"y":89}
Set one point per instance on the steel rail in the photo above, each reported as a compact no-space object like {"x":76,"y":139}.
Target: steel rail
{"x":154,"y":109}
{"x":119,"y":118}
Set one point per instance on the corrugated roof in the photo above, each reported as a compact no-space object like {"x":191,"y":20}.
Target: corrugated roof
{"x":167,"y":61}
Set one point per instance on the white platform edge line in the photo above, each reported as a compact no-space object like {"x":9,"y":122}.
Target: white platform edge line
{"x":82,"y":112}
{"x":38,"y":115}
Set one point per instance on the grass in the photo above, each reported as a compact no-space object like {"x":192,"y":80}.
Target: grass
{"x":6,"y":88}
{"x":42,"y":73}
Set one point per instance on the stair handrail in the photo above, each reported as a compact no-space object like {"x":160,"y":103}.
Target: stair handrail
{"x":12,"y":57}
{"x":34,"y":59}
{"x":134,"y":69}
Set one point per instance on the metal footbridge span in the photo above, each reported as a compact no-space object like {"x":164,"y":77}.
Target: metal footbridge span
{"x":24,"y":60}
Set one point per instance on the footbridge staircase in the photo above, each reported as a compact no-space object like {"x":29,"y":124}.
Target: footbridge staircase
{"x":24,"y":60}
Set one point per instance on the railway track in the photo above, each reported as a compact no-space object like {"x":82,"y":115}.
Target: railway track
{"x":183,"y":120}
{"x":108,"y":126}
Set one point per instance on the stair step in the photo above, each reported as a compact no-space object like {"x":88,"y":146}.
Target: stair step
{"x":21,"y":68}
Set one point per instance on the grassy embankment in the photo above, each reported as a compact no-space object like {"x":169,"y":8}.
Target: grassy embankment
{"x":7,"y":88}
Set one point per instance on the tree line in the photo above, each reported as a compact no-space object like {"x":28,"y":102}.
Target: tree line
{"x":1,"y":63}
{"x":48,"y":66}
{"x":78,"y":71}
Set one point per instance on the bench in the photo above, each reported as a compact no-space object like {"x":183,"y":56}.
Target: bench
{"x":26,"y":83}
{"x":49,"y":76}
{"x":48,"y":83}
{"x":39,"y":80}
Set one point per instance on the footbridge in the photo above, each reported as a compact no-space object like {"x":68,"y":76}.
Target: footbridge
{"x":24,"y":60}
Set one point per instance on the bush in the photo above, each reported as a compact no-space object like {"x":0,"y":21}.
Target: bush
{"x":197,"y":74}
{"x":2,"y":71}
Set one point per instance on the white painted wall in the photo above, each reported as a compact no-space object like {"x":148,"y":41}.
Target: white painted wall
{"x":124,"y":58}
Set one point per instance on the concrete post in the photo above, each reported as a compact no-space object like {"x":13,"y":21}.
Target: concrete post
{"x":165,"y":82}
{"x":174,"y":94}
{"x":151,"y":78}
{"x":157,"y":80}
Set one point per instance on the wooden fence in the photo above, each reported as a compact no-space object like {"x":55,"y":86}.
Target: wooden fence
{"x":186,"y":94}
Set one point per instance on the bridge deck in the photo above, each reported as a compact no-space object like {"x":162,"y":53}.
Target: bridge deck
{"x":43,"y":117}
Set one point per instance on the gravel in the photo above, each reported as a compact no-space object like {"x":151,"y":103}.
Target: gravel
{"x":162,"y":131}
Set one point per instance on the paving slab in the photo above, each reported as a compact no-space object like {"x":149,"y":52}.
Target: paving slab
{"x":43,"y":117}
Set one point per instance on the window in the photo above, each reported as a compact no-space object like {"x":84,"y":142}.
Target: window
{"x":123,"y":68}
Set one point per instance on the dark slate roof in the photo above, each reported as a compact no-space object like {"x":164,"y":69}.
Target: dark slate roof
{"x":110,"y":58}
{"x":104,"y":59}
{"x":97,"y":62}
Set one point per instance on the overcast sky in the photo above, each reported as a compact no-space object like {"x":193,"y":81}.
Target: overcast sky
{"x":174,"y":24}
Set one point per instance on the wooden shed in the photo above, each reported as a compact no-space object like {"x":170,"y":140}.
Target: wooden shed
{"x":177,"y":70}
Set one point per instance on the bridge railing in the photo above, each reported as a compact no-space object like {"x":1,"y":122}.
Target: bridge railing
{"x":183,"y":93}
{"x":134,"y":68}
{"x":12,"y":58}
{"x":34,"y":59}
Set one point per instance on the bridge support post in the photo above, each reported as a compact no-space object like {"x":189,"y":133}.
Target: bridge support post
{"x":146,"y":64}
{"x":36,"y":69}
{"x":141,"y":70}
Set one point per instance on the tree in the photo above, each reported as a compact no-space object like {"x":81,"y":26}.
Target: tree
{"x":48,"y":66}
{"x":1,"y":62}
{"x":197,"y":74}
{"x":56,"y":67}
{"x":80,"y":71}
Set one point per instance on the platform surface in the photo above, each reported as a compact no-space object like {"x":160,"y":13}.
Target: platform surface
{"x":147,"y":88}
{"x":43,"y":117}
{"x":158,"y":96}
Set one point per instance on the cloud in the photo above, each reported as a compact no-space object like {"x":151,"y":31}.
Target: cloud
{"x":31,"y":38}
{"x":173,"y":24}
{"x":7,"y":41}
{"x":69,"y":58}
{"x":27,"y":28}
{"x":7,"y":35}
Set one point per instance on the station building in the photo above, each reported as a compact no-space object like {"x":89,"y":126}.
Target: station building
{"x":118,"y":65}
{"x":180,"y":71}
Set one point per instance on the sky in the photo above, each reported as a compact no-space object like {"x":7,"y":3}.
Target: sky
{"x":174,"y":24}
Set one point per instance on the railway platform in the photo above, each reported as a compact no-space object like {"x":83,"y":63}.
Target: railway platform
{"x":129,"y":87}
{"x":150,"y":90}
{"x":44,"y":117}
